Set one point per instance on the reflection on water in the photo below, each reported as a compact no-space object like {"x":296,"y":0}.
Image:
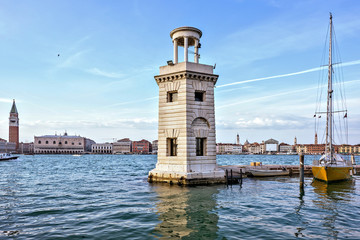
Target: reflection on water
{"x":186,"y":213}
{"x":334,"y":191}
{"x":330,"y":201}
{"x":298,"y":209}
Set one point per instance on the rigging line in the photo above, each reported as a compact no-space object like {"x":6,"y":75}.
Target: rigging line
{"x":341,"y":72}
{"x":343,"y":122}
{"x":321,"y":81}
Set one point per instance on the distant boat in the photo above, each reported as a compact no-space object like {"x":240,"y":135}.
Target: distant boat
{"x":76,"y":155}
{"x":7,"y":156}
{"x":267,"y":173}
{"x":331,"y":166}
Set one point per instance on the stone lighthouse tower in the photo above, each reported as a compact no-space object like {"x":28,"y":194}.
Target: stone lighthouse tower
{"x":186,"y":133}
{"x":14,"y":125}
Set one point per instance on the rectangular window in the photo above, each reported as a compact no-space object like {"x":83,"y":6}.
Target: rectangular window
{"x":199,"y":96}
{"x":172,"y":146}
{"x":172,"y":96}
{"x":200,"y":146}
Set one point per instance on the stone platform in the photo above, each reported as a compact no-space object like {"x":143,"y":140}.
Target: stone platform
{"x":193,"y":178}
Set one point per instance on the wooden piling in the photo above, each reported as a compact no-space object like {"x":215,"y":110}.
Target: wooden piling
{"x":240,"y":177}
{"x":231,"y":177}
{"x":353,"y":162}
{"x":301,"y":158}
{"x":227,"y":177}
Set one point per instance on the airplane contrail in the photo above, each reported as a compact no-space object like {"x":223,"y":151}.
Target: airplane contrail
{"x":286,"y":75}
{"x":275,"y":95}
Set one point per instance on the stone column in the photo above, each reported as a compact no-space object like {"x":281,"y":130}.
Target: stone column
{"x":175,"y":51}
{"x":196,"y":55}
{"x":186,"y":46}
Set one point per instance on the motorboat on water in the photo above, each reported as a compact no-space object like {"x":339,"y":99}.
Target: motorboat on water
{"x":7,"y":156}
{"x":267,"y":173}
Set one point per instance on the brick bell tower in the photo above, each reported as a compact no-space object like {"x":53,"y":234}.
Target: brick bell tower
{"x":14,"y":125}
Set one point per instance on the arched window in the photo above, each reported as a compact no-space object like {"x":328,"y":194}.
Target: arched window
{"x":65,"y":142}
{"x":47,"y":142}
{"x":54,"y":142}
{"x":39,"y":142}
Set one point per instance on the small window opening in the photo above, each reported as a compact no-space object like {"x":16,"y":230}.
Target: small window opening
{"x":172,"y":96}
{"x":172,"y":146}
{"x":200,"y":146}
{"x":54,"y":142}
{"x":199,"y":96}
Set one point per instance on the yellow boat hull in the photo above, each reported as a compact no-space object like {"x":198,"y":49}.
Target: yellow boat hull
{"x":331,"y":174}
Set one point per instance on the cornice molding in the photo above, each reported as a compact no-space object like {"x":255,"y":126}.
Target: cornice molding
{"x":186,"y":75}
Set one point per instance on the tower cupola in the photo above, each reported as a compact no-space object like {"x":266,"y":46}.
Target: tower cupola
{"x":186,"y":37}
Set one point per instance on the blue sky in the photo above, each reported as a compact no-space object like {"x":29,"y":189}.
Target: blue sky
{"x":267,"y":54}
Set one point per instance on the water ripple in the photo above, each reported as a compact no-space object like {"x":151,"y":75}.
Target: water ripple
{"x":107,"y":197}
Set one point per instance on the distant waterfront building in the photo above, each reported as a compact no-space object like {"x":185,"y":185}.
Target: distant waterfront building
{"x":122,"y":146}
{"x":246,"y":146}
{"x":262,"y":147}
{"x":271,"y":146}
{"x":102,"y":148}
{"x":7,"y":147}
{"x":155,"y":146}
{"x":141,"y":147}
{"x":313,"y":148}
{"x":349,"y":149}
{"x":228,"y":148}
{"x":14,"y":126}
{"x":254,"y":148}
{"x":25,"y":148}
{"x":285,"y":148}
{"x":62,"y":144}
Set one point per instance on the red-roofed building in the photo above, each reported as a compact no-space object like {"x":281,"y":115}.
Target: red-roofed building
{"x":141,"y":147}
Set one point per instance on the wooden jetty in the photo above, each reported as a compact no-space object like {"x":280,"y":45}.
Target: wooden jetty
{"x":234,"y":170}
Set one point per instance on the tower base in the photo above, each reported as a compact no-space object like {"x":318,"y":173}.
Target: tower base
{"x":192,"y":178}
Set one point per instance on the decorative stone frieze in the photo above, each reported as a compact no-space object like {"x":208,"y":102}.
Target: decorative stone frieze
{"x":172,"y":133}
{"x":186,"y":75}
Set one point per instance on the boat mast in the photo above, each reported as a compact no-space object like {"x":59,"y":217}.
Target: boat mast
{"x":329,"y":132}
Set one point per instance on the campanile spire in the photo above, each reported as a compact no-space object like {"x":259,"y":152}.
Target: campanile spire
{"x":14,"y":125}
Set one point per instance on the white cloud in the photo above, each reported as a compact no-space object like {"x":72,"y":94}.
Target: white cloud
{"x":273,"y":122}
{"x":135,"y":123}
{"x":5,"y":100}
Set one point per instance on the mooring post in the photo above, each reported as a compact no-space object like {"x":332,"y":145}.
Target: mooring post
{"x":231,"y":177}
{"x":227,"y":177}
{"x":301,"y":156}
{"x":353,"y":163}
{"x":240,"y":177}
